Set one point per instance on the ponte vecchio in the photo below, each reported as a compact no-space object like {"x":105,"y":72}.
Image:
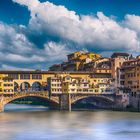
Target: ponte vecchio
{"x":62,"y":89}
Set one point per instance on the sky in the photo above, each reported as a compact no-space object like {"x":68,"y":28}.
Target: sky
{"x":35,"y":34}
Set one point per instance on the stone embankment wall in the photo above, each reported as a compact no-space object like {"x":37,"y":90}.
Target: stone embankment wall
{"x":135,"y":102}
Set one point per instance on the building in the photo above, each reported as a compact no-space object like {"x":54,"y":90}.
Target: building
{"x":6,"y":85}
{"x":56,"y":67}
{"x":117,"y":60}
{"x":102,"y":65}
{"x":76,"y":61}
{"x":94,"y":83}
{"x":54,"y":85}
{"x":130,"y":72}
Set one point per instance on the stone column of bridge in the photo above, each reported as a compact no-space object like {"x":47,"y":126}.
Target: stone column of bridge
{"x":1,"y":104}
{"x":1,"y":107}
{"x":65,"y":102}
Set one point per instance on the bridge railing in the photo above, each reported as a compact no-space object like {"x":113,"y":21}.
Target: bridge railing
{"x":31,"y":92}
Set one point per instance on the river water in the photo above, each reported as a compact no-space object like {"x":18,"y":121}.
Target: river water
{"x":25,"y":122}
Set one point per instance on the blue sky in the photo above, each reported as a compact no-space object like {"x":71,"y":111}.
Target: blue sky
{"x":14,"y":13}
{"x":36,"y":34}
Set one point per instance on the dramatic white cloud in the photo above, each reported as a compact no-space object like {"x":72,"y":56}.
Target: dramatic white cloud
{"x":56,"y":51}
{"x":132,"y":22}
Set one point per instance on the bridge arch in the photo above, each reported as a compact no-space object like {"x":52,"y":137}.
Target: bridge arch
{"x":53,"y":100}
{"x":25,"y":86}
{"x":36,"y":86}
{"x":88,"y":99}
{"x":16,"y":86}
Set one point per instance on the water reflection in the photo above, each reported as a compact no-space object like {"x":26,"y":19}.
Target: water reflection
{"x":41,"y":124}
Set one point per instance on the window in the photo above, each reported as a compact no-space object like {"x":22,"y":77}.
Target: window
{"x":122,"y":76}
{"x":67,"y":78}
{"x":72,"y":89}
{"x":24,"y":76}
{"x":36,"y":76}
{"x":130,"y":82}
{"x":134,"y":74}
{"x":122,"y":82}
{"x":14,"y":76}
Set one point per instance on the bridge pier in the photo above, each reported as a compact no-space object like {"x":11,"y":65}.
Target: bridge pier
{"x":65,"y":102}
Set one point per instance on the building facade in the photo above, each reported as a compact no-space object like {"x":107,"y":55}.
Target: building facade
{"x":93,"y":83}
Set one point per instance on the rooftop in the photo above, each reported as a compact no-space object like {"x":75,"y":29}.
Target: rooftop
{"x":119,"y":54}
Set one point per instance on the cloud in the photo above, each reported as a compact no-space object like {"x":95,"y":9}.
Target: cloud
{"x":56,"y":51}
{"x":54,"y":31}
{"x":100,"y":33}
{"x":132,"y":22}
{"x":13,"y":41}
{"x":9,"y":67}
{"x":17,"y":50}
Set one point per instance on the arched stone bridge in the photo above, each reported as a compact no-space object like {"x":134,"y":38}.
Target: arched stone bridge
{"x":64,"y":101}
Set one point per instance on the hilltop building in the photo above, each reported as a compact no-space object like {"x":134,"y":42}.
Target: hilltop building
{"x":76,"y":61}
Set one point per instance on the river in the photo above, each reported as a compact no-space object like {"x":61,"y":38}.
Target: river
{"x":25,"y":122}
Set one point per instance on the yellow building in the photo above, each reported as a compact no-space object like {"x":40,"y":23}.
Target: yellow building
{"x":6,"y":84}
{"x":1,"y":84}
{"x":75,"y":55}
{"x":94,"y":83}
{"x":76,"y":61}
{"x":54,"y":85}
